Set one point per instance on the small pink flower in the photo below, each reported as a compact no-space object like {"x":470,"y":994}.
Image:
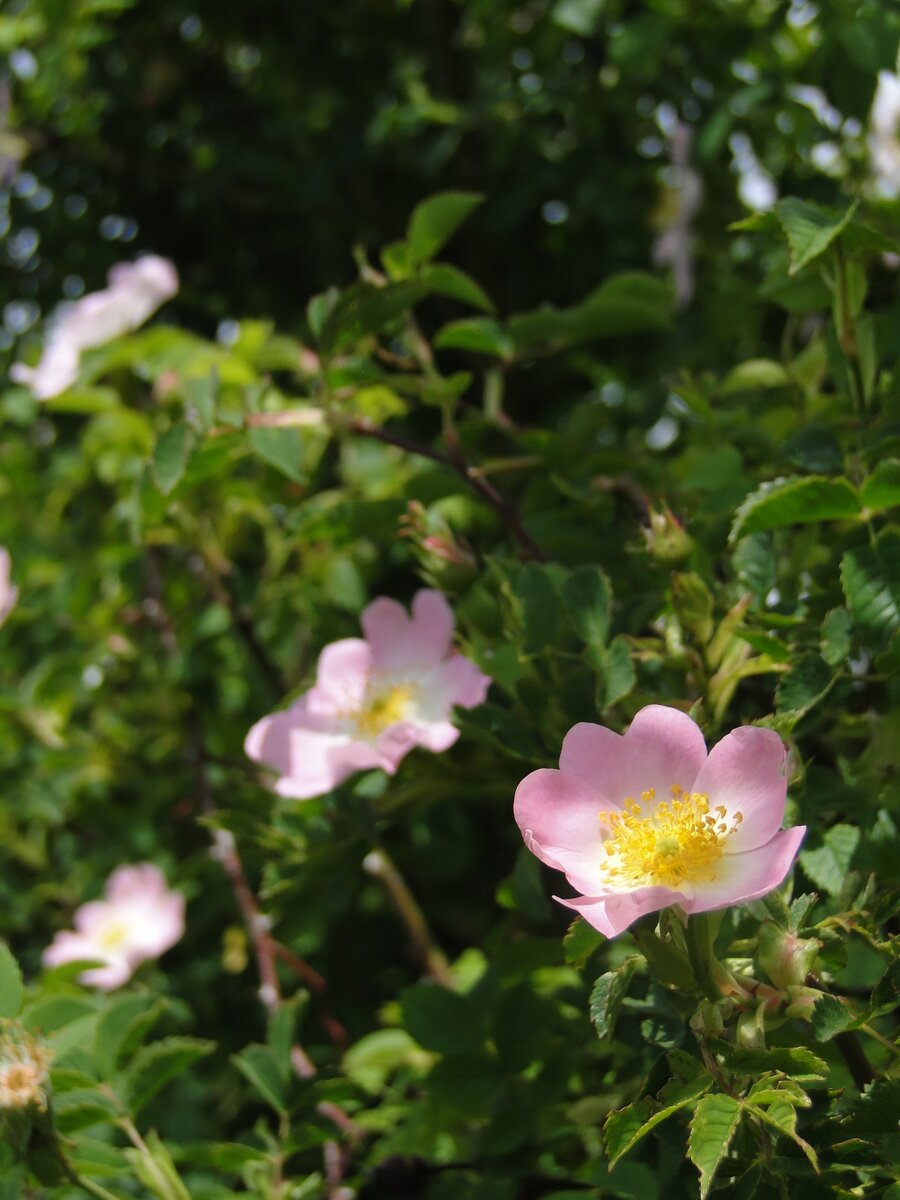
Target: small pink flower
{"x":9,"y":593}
{"x":374,"y":699}
{"x":135,"y":292}
{"x":138,"y":918}
{"x":646,"y":819}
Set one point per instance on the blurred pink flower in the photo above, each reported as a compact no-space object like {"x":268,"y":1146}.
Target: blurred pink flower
{"x":374,"y":699}
{"x":138,"y":918}
{"x":647,"y":819}
{"x":135,"y":292}
{"x":9,"y":593}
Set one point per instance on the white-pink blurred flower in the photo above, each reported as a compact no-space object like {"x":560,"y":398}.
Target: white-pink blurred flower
{"x":374,"y":699}
{"x":139,"y":918}
{"x":135,"y":291}
{"x":884,"y":135}
{"x":9,"y":593}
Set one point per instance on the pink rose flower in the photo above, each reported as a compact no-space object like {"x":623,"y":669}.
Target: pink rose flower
{"x":135,"y":292}
{"x":646,"y":819}
{"x":374,"y":699}
{"x":139,"y":918}
{"x":9,"y":593}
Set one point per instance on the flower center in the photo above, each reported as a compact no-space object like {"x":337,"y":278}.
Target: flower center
{"x":19,"y":1084}
{"x":384,"y":708}
{"x":665,"y":843}
{"x":111,"y":936}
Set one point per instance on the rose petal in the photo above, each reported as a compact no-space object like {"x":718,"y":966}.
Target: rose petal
{"x":342,"y":676}
{"x":612,"y":914}
{"x":747,"y":773}
{"x":744,"y":877}
{"x":465,"y":684}
{"x":399,"y":643}
{"x":661,"y":748}
{"x":557,"y":810}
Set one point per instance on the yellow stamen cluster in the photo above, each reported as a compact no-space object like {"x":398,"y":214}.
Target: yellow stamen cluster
{"x":665,"y":843}
{"x":384,"y":708}
{"x":112,"y":935}
{"x":24,"y":1063}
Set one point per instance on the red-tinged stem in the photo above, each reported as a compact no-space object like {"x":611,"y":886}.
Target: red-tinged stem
{"x":456,"y":461}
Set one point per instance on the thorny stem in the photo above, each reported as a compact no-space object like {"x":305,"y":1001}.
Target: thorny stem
{"x":456,"y":461}
{"x":256,"y":922}
{"x":381,"y":866}
{"x":336,"y":1156}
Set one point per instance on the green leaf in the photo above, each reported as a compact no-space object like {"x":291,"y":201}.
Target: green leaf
{"x":580,"y":942}
{"x":881,"y":489}
{"x":80,"y":1108}
{"x":450,"y":281}
{"x":578,"y":16}
{"x":626,"y":303}
{"x":829,"y":1018}
{"x":837,"y":633}
{"x":370,"y":1061}
{"x":618,"y":675}
{"x":230,"y":1157}
{"x":828,"y":864}
{"x":796,"y":500}
{"x":666,"y":961}
{"x":170,"y":457}
{"x":155,"y":1169}
{"x":378,"y":403}
{"x":532,"y":586}
{"x":480,"y":334}
{"x":796,"y":1061}
{"x":282,"y":1029}
{"x":365,"y":309}
{"x":281,"y":448}
{"x":155,"y":1065}
{"x":435,"y":220}
{"x":55,"y":1012}
{"x":85,"y":400}
{"x":804,"y":685}
{"x":623,"y":1128}
{"x":12,"y":990}
{"x":122,"y":1026}
{"x":713,"y":1126}
{"x":587,"y":597}
{"x":871,"y":579}
{"x":607,"y":995}
{"x":753,"y":375}
{"x":261,"y":1067}
{"x":809,"y":228}
{"x":441,"y":1020}
{"x":496,"y":726}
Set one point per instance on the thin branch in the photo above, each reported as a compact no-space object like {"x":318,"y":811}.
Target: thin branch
{"x":456,"y":461}
{"x":243,"y":626}
{"x":381,"y":867}
{"x":855,"y":1057}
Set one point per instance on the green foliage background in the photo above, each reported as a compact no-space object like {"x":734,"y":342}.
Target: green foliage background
{"x":712,"y":488}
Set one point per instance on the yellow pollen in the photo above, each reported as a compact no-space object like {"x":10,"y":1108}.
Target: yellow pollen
{"x":667,"y":843}
{"x":383,"y":709}
{"x":112,"y":935}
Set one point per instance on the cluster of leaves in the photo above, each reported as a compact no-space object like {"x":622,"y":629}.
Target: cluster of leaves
{"x":240,"y":503}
